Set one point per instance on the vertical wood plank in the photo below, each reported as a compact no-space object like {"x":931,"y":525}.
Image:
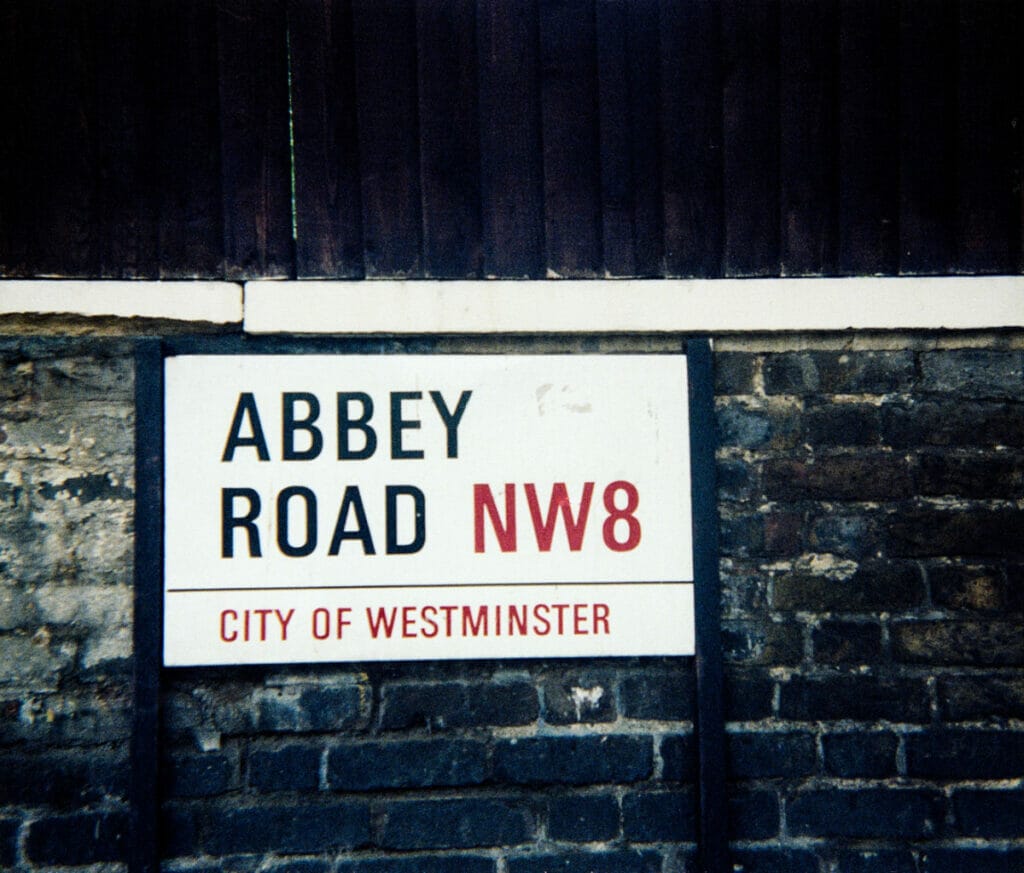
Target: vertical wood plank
{"x":750,"y":31}
{"x":449,"y":138}
{"x":386,"y":71}
{"x":809,"y":135}
{"x":869,"y":137}
{"x":629,"y":93}
{"x":328,"y":195}
{"x":927,"y":52}
{"x":990,"y":118}
{"x":180,"y":163}
{"x":572,"y":175}
{"x":511,"y":171}
{"x":255,"y":155}
{"x":691,"y":104}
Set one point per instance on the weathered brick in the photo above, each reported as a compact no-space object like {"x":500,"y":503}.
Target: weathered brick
{"x":847,"y":642}
{"x":876,"y":586}
{"x":366,"y":766}
{"x":300,"y":865}
{"x":457,"y":704}
{"x":988,"y":476}
{"x":579,"y":698}
{"x":773,"y":860}
{"x":748,"y":694}
{"x":736,"y":480}
{"x":679,"y":758}
{"x":843,"y":424}
{"x":877,"y":861}
{"x":289,"y":768}
{"x":989,"y":813}
{"x":583,"y":818}
{"x":968,"y":698}
{"x":770,"y":754}
{"x":741,"y":535}
{"x":619,"y":861}
{"x":459,"y":863}
{"x":861,"y":477}
{"x":974,"y":531}
{"x":864,"y":755}
{"x":299,"y":708}
{"x":747,"y":427}
{"x":969,"y":859}
{"x":735,"y":372}
{"x":62,"y":779}
{"x":775,"y":643}
{"x":178,"y":831}
{"x":965,"y":754}
{"x":82,"y":838}
{"x":790,"y":373}
{"x":854,"y":534}
{"x":783,"y":533}
{"x":660,"y":697}
{"x":457,"y":823}
{"x":895,"y":813}
{"x":35,"y":663}
{"x":573,"y":760}
{"x":9,"y":828}
{"x":973,"y":373}
{"x":975,"y":587}
{"x":659,"y":816}
{"x":952,"y":422}
{"x":753,"y":815}
{"x":305,"y":828}
{"x":981,"y":643}
{"x":826,"y":372}
{"x":198,"y":775}
{"x":744,"y":589}
{"x":860,"y":697}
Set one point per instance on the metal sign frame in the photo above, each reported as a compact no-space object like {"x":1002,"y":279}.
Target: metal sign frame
{"x":149,"y":587}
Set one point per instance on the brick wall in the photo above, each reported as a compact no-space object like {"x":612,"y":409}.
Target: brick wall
{"x":873,"y":604}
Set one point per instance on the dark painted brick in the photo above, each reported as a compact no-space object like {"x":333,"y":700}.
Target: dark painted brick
{"x":978,"y":588}
{"x":966,"y":754}
{"x":748,"y":695}
{"x":753,"y":815}
{"x":734,"y":373}
{"x":783,"y":533}
{"x":290,"y":768}
{"x":843,"y":424}
{"x":459,"y":823}
{"x":659,"y":816}
{"x":895,"y":813}
{"x":620,"y":861}
{"x":573,"y":760}
{"x":62,"y":779}
{"x":864,"y":755}
{"x":456,"y":704}
{"x":563,"y":706}
{"x":9,"y":841}
{"x":952,"y":422}
{"x":847,"y":642}
{"x":305,"y":828}
{"x":198,"y":775}
{"x":772,"y":643}
{"x":790,"y":373}
{"x":876,"y":586}
{"x":773,"y":860}
{"x":85,"y":838}
{"x":979,"y":476}
{"x":179,"y":831}
{"x":968,"y":859}
{"x":406,"y":764}
{"x":741,"y":535}
{"x":664,"y":697}
{"x":313,"y":709}
{"x":679,"y":758}
{"x":994,"y":813}
{"x":979,"y":531}
{"x":966,"y":698}
{"x":877,"y":861}
{"x":583,"y":818}
{"x":736,"y":480}
{"x":974,"y":373}
{"x":770,"y":754}
{"x":975,"y":643}
{"x":419,"y":864}
{"x":862,"y":476}
{"x":863,"y":698}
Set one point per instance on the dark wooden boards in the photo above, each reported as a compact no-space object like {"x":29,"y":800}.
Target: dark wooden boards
{"x":472,"y":138}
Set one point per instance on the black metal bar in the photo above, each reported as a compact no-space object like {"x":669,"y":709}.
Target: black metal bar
{"x":143,"y":851}
{"x":713,"y":846}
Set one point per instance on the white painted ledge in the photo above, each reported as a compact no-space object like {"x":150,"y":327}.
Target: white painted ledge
{"x":212,"y":302}
{"x":645,"y":306}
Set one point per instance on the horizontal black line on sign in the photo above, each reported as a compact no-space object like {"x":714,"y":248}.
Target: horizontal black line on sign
{"x":413,"y":587}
